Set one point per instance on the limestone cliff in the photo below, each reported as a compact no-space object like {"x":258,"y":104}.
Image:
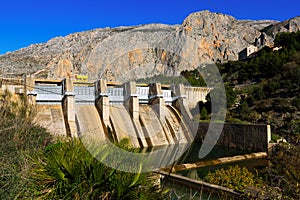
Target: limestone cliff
{"x":123,"y":53}
{"x":291,"y":25}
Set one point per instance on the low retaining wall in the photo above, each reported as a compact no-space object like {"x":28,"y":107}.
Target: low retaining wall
{"x":217,"y":161}
{"x":200,"y":185}
{"x":240,"y":136}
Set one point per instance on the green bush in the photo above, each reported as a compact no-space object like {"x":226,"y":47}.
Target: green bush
{"x":234,"y":177}
{"x":69,"y":171}
{"x":20,"y":140}
{"x":283,"y":171}
{"x":203,"y":114}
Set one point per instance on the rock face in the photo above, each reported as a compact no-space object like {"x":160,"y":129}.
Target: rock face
{"x":123,"y":53}
{"x":291,"y":25}
{"x":258,"y":24}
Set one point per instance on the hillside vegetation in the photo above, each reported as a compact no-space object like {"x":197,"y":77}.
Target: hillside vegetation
{"x":268,"y":87}
{"x":20,"y":140}
{"x":265,"y":88}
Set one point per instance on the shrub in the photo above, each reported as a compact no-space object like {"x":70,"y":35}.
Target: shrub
{"x":69,"y":171}
{"x":234,"y":177}
{"x":20,"y":140}
{"x":283,"y":172}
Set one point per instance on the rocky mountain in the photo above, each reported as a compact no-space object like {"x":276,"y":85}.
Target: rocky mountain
{"x":123,"y":53}
{"x":258,"y":24}
{"x":291,"y":25}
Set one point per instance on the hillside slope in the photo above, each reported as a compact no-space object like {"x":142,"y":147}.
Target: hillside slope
{"x":267,"y":87}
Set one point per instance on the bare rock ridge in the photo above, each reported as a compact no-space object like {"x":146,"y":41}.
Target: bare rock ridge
{"x":124,"y":53}
{"x":291,"y":25}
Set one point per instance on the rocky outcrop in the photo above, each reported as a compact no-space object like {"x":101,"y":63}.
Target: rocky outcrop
{"x":258,"y":24}
{"x":291,"y":25}
{"x":123,"y":53}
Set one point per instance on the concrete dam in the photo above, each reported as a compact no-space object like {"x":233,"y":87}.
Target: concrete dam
{"x":148,"y":114}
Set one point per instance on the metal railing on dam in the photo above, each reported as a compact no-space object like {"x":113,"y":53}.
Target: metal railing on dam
{"x":86,"y":94}
{"x":48,"y":94}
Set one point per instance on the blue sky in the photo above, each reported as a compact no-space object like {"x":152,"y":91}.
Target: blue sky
{"x":25,"y":22}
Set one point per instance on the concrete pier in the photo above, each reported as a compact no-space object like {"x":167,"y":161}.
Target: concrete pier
{"x":102,"y":100}
{"x":181,"y":105}
{"x":68,"y":106}
{"x":131,"y":101}
{"x":156,"y":99}
{"x":29,"y":88}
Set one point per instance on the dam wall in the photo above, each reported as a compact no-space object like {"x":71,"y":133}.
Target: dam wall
{"x":251,"y":137}
{"x":148,"y":114}
{"x":143,"y":114}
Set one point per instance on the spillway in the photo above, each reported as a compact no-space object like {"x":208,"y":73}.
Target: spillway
{"x":143,"y":114}
{"x":122,"y":124}
{"x":89,"y":123}
{"x":182,"y":132}
{"x":150,"y":130}
{"x":51,"y":117}
{"x":152,"y":127}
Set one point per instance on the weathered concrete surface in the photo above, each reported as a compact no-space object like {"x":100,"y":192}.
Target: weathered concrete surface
{"x":156,"y":99}
{"x":152,"y":127}
{"x":122,"y":123}
{"x":240,"y":136}
{"x":181,"y":105}
{"x":29,"y":88}
{"x":184,"y":131}
{"x":131,"y":102}
{"x":102,"y":101}
{"x":89,"y":123}
{"x":51,"y":117}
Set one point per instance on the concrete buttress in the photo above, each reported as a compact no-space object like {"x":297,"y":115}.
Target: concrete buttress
{"x":102,"y":101}
{"x":131,"y":101}
{"x":68,"y":105}
{"x":180,"y":103}
{"x":156,"y":99}
{"x":29,"y":88}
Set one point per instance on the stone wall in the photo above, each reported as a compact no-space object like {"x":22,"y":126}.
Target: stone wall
{"x":240,"y":136}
